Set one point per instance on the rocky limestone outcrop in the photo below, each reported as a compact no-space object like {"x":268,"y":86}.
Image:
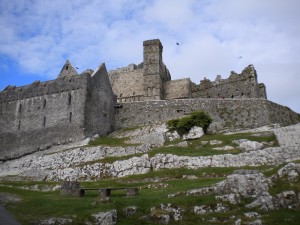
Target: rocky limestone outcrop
{"x":194,"y":133}
{"x":105,"y":218}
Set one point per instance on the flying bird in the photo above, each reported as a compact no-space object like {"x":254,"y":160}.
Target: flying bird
{"x":76,"y":67}
{"x":177,"y":43}
{"x":240,"y":57}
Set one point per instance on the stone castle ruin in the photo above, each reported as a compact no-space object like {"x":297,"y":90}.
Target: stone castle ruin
{"x":151,"y":80}
{"x":72,"y":107}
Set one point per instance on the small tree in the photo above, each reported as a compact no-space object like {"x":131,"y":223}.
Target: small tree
{"x":184,"y":124}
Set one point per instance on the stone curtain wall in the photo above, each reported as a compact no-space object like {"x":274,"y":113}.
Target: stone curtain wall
{"x":232,"y":113}
{"x":242,"y":85}
{"x":127,"y":83}
{"x":35,"y":116}
{"x":177,"y":89}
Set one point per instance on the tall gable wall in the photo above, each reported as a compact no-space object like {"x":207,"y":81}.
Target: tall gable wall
{"x":100,"y":111}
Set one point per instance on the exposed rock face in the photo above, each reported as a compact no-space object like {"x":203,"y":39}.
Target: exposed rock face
{"x":53,"y":221}
{"x":264,"y":202}
{"x":130,"y":210}
{"x":286,"y":199}
{"x":174,"y":212}
{"x":291,"y":170}
{"x":242,"y":183}
{"x":65,"y":165}
{"x":288,"y":136}
{"x":231,"y":198}
{"x":247,"y":145}
{"x":106,"y":218}
{"x":172,"y":135}
{"x":194,"y":133}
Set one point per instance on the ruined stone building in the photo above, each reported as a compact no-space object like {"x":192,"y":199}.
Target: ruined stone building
{"x":68,"y":108}
{"x":72,"y":107}
{"x":151,"y":80}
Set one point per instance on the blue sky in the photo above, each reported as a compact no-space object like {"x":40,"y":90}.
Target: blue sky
{"x":38,"y":36}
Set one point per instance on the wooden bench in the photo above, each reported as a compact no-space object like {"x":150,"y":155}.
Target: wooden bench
{"x":104,"y":193}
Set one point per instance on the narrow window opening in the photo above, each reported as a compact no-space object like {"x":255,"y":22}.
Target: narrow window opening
{"x":70,"y":99}
{"x":45,"y":102}
{"x":20,"y":108}
{"x":67,"y":67}
{"x":70,"y":117}
{"x":44,"y":122}
{"x":19,"y":125}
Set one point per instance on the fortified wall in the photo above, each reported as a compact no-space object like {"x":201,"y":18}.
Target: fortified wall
{"x":242,"y":85}
{"x":228,"y":113}
{"x":36,"y":116}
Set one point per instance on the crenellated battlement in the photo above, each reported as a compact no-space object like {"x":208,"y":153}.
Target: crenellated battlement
{"x":243,"y":85}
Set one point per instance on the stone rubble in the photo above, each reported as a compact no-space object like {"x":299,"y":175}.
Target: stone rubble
{"x":231,"y":198}
{"x":130,"y":211}
{"x":106,"y":218}
{"x":246,"y":145}
{"x":174,"y":212}
{"x":203,"y":209}
{"x":224,"y":148}
{"x":194,"y":133}
{"x":54,"y":221}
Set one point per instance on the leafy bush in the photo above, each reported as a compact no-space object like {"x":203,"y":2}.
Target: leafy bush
{"x":183,"y":125}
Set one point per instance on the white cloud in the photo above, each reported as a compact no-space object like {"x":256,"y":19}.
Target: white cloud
{"x":41,"y":35}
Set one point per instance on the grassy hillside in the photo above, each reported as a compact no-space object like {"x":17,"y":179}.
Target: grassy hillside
{"x":154,"y":188}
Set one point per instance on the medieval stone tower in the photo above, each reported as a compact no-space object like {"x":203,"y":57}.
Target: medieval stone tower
{"x":155,"y":72}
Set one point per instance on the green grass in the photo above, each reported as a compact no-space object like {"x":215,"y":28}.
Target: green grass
{"x":42,"y":205}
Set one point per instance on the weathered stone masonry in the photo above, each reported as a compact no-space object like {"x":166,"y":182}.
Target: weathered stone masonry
{"x":69,"y":108}
{"x":231,"y":113}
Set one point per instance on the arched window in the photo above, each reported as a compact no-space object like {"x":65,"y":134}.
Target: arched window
{"x":67,"y":67}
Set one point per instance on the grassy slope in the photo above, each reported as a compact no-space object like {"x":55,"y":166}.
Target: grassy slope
{"x":42,"y":205}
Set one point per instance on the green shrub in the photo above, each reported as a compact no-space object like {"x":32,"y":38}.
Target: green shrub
{"x":172,"y":124}
{"x":184,"y":124}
